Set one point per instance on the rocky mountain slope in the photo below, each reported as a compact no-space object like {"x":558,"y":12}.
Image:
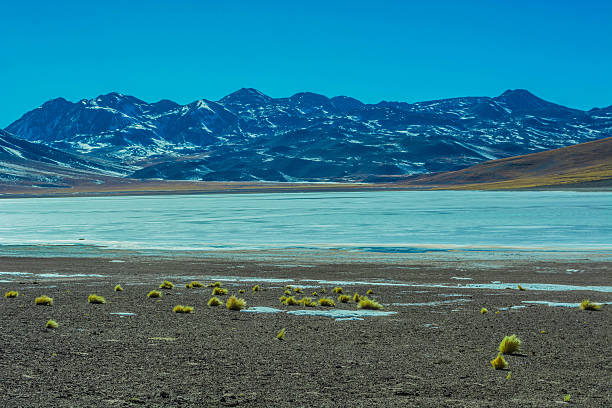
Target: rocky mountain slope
{"x":306,"y":137}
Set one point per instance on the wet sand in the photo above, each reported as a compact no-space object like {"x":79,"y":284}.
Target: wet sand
{"x":434,"y":351}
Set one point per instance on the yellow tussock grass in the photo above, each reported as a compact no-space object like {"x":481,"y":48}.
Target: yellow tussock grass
{"x":327,"y":302}
{"x":219,"y":291}
{"x":281,"y":335}
{"x":499,"y":363}
{"x":182,"y":309}
{"x":521,"y":288}
{"x":166,"y":285}
{"x":282,"y":299}
{"x":118,"y":288}
{"x":315,"y":294}
{"x":567,"y":397}
{"x":344,"y":298}
{"x":509,"y":376}
{"x":216,"y":284}
{"x":52,"y":324}
{"x":256,"y":288}
{"x":510,"y":344}
{"x":588,"y":305}
{"x":291,"y":301}
{"x":214,"y":301}
{"x":369,"y":292}
{"x":297,"y":289}
{"x":93,"y":298}
{"x":367,"y":303}
{"x":11,"y":294}
{"x":307,"y":302}
{"x":240,"y":290}
{"x":288,"y":292}
{"x":356,"y":297}
{"x":44,"y":300}
{"x":196,"y":284}
{"x":234,"y":303}
{"x":154,"y":294}
{"x":484,"y":310}
{"x":337,"y":290}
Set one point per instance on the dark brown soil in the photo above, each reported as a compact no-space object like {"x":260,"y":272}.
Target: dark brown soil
{"x":422,"y":356}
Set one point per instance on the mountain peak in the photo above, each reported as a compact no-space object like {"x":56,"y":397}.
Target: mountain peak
{"x":245,"y":95}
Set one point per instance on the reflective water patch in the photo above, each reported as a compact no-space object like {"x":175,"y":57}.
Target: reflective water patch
{"x":341,"y":314}
{"x":261,"y":309}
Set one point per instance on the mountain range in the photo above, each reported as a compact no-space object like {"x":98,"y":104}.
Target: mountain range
{"x":249,"y":136}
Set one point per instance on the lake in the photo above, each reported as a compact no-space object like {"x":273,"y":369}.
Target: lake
{"x":371,"y":221}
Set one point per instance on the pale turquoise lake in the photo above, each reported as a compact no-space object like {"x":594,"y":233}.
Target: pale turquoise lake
{"x":393,"y":221}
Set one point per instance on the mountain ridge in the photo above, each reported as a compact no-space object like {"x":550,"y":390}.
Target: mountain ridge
{"x":250,"y":136}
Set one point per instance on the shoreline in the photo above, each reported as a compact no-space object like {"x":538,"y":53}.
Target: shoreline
{"x":434,"y":350}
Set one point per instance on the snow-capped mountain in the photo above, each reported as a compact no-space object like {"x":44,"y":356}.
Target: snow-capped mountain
{"x":307,"y":137}
{"x":36,"y":165}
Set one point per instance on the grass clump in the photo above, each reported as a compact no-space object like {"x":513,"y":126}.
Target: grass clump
{"x":281,"y":334}
{"x":118,"y":288}
{"x":182,"y":309}
{"x":521,"y":288}
{"x":291,"y":301}
{"x":51,"y":324}
{"x":44,"y":300}
{"x":356,"y":297}
{"x":509,"y":376}
{"x":337,"y":290}
{"x":166,"y":285}
{"x":240,"y":290}
{"x":282,"y":299}
{"x":219,"y":291}
{"x":234,"y":303}
{"x":154,"y":294}
{"x":307,"y":302}
{"x":344,"y":298}
{"x":288,"y":292}
{"x":315,"y":294}
{"x":214,"y":301}
{"x":194,"y":284}
{"x":369,"y":292}
{"x":297,"y":289}
{"x":499,"y":363}
{"x":97,"y":299}
{"x":256,"y":288}
{"x":367,"y":303}
{"x":586,"y":304}
{"x":11,"y":294}
{"x":567,"y":398}
{"x":484,"y":310}
{"x":327,"y":302}
{"x":510,"y":344}
{"x":216,"y":284}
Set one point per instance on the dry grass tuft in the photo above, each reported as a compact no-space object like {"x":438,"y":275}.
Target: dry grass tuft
{"x":234,"y":303}
{"x":586,"y":304}
{"x":182,"y":309}
{"x":216,"y":284}
{"x":166,"y":285}
{"x":307,"y":302}
{"x":344,"y":298}
{"x":567,"y":397}
{"x":484,"y":310}
{"x":281,"y":334}
{"x":219,"y":291}
{"x":256,"y":288}
{"x":118,"y":288}
{"x":367,"y":303}
{"x":327,"y":302}
{"x":52,"y":324}
{"x":288,"y":292}
{"x":521,"y":288}
{"x":291,"y":301}
{"x":196,"y":284}
{"x":510,"y":344}
{"x":282,"y":299}
{"x":337,"y":290}
{"x":154,"y":294}
{"x":356,"y":297}
{"x":369,"y":292}
{"x":44,"y":300}
{"x":240,"y":290}
{"x":297,"y":289}
{"x":93,"y":298}
{"x":11,"y":294}
{"x":315,"y":294}
{"x":214,"y":301}
{"x":499,"y":363}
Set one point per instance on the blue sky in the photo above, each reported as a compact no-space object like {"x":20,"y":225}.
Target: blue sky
{"x":372,"y":50}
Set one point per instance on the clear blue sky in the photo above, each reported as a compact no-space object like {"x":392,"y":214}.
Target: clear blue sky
{"x":561,"y":50}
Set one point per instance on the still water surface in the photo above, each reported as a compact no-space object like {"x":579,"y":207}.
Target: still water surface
{"x":385,"y":221}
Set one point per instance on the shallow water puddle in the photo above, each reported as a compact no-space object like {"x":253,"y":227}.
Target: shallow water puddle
{"x":163,"y":338}
{"x":341,"y":314}
{"x":123,"y":314}
{"x":559,"y":304}
{"x":261,"y":309}
{"x":503,"y":309}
